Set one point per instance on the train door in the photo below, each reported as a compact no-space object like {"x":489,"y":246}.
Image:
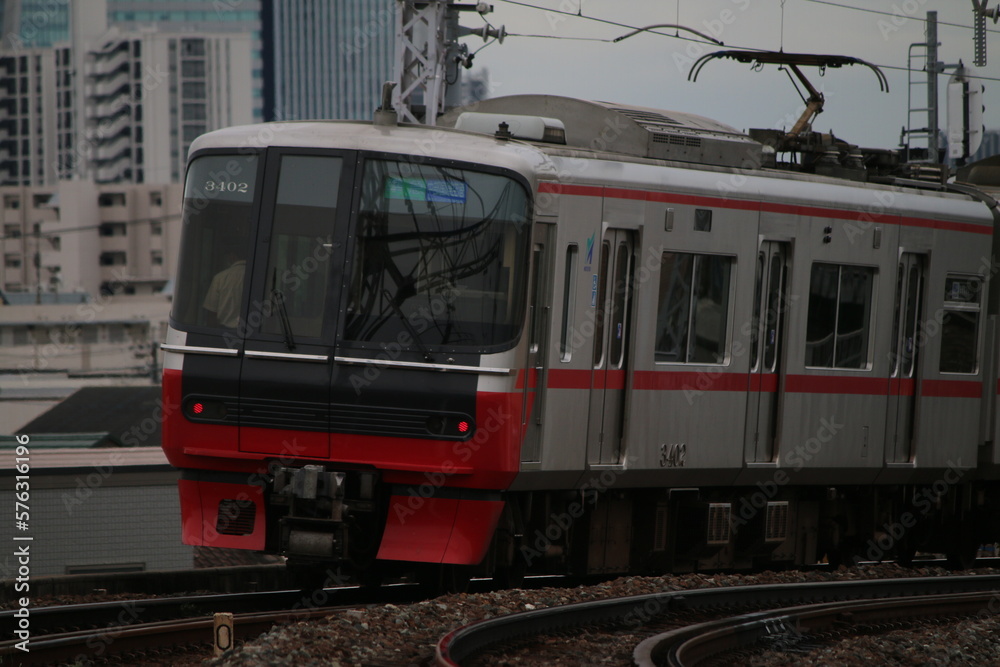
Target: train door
{"x":533,"y":400}
{"x":904,"y":375}
{"x":285,"y":375}
{"x":612,"y":301}
{"x":765,"y":352}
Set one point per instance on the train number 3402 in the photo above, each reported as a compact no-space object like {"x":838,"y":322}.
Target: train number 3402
{"x":673,"y":455}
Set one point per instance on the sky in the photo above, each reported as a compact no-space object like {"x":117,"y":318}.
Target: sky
{"x":652,"y":70}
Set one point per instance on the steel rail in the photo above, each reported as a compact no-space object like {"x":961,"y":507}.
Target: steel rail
{"x":82,"y":645}
{"x":470,"y":640}
{"x":792,"y":626}
{"x":121,"y":613}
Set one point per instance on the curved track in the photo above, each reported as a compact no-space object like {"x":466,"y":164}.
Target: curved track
{"x":467,"y":642}
{"x":797,"y":626}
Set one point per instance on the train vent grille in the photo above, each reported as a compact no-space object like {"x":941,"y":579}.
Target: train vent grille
{"x":236,"y":517}
{"x":776,"y":528}
{"x":677,"y":140}
{"x":660,"y":529}
{"x":719,"y":522}
{"x":647,"y":116}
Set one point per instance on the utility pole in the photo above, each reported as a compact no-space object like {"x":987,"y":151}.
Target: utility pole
{"x":933,"y":68}
{"x":429,"y":57}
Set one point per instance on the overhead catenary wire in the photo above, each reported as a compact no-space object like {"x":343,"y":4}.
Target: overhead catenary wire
{"x":895,"y":15}
{"x":528,"y":5}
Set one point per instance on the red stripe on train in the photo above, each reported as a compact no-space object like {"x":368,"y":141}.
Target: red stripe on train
{"x":771,"y":207}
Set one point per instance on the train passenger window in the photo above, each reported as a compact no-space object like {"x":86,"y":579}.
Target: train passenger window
{"x":693,"y":316}
{"x":839,"y":322}
{"x":565,"y":347}
{"x":218,"y":212}
{"x":298,"y":264}
{"x":960,"y":324}
{"x":440,"y":257}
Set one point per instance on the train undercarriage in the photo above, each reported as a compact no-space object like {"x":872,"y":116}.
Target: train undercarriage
{"x":329,"y":525}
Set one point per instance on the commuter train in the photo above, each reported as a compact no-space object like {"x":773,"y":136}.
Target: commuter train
{"x":550,"y":335}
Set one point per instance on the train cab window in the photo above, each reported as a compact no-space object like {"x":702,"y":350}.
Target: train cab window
{"x":692,"y":320}
{"x":839,"y":322}
{"x":217,"y":219}
{"x":298,"y":265}
{"x":960,"y":324}
{"x":440,"y":257}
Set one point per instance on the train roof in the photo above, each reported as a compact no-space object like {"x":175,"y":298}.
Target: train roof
{"x":603,"y":130}
{"x":629,"y":130}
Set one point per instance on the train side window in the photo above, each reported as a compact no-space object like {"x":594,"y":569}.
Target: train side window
{"x":692,"y":320}
{"x":565,"y":347}
{"x":839,"y":323}
{"x":960,"y":324}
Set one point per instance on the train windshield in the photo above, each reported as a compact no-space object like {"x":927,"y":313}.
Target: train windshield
{"x":218,"y":216}
{"x":440,"y":257}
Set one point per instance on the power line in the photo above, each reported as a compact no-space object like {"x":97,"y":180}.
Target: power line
{"x":85,"y":228}
{"x":580,"y":15}
{"x":892,"y":15}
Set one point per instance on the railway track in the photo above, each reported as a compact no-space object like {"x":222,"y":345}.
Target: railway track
{"x":796,"y":628}
{"x":91,"y":631}
{"x":639,"y":613}
{"x":148,"y":640}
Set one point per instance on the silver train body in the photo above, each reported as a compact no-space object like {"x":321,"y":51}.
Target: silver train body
{"x":721,"y":363}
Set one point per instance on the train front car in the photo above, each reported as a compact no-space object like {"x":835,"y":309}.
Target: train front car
{"x":341,"y":363}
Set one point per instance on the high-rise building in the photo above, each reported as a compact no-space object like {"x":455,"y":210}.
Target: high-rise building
{"x":95,"y":125}
{"x":199,"y":17}
{"x":116,"y":106}
{"x":326,"y":58}
{"x":45,"y":23}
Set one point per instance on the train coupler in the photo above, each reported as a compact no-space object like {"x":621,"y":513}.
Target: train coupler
{"x":314,"y":524}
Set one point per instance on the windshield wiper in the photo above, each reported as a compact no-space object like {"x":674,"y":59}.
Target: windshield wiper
{"x":286,"y":326}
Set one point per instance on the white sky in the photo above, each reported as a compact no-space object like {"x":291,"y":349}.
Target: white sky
{"x":651,"y":70}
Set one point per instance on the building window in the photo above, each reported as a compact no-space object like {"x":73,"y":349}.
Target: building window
{"x":194,"y":111}
{"x":193,"y":47}
{"x":113,"y":259}
{"x":193,"y":90}
{"x":192,"y":132}
{"x":115,"y":333}
{"x":11,"y":202}
{"x":193,"y":69}
{"x":839,"y":322}
{"x":111,"y":199}
{"x":12,"y":261}
{"x":156,"y":257}
{"x":12,"y":231}
{"x":114,"y":229}
{"x":692,"y":320}
{"x":960,"y":324}
{"x":156,"y":199}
